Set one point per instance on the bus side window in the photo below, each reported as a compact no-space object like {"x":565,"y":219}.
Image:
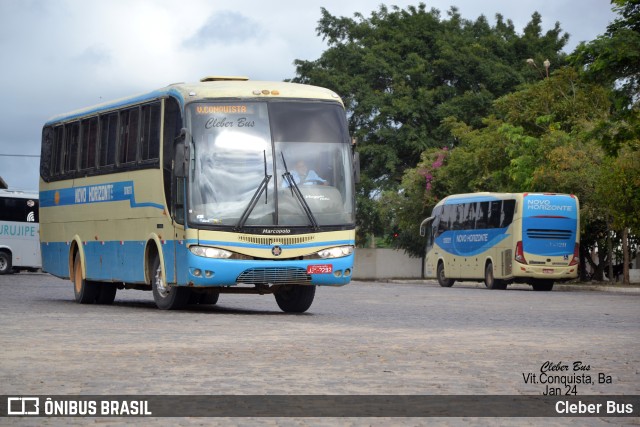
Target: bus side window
{"x":433,"y":232}
{"x":128,"y":135}
{"x":72,"y":134}
{"x":108,"y":136}
{"x":508,"y":208}
{"x":457,"y":217}
{"x":469,"y":216}
{"x":482,"y":220}
{"x":445,"y":220}
{"x":8,"y":210}
{"x":88,"y":143}
{"x":56,"y":151}
{"x":435,"y":225}
{"x":17,"y":210}
{"x":150,"y":132}
{"x":495,"y":210}
{"x":46,"y":153}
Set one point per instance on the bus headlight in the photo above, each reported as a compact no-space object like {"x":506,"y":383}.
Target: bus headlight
{"x":337,"y":252}
{"x":208,"y":252}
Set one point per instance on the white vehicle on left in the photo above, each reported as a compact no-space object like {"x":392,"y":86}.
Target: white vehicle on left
{"x":19,"y":231}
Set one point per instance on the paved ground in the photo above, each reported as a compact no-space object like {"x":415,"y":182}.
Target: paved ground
{"x":365,"y":338}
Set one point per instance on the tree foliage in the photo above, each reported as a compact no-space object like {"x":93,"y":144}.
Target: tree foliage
{"x":448,"y":105}
{"x":613,"y":59}
{"x":401,"y":72}
{"x":537,"y":140}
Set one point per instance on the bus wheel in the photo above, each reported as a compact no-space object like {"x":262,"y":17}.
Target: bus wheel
{"x":490,"y":281}
{"x":5,"y":263}
{"x":85,"y":291}
{"x":442,"y":278}
{"x":167,"y":297}
{"x":295,"y":299}
{"x":107,"y":294}
{"x":209,"y":298}
{"x":542,"y":285}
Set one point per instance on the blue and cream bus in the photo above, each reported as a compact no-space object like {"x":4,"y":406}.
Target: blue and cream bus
{"x":503,"y":238}
{"x":189,"y":191}
{"x":19,"y":231}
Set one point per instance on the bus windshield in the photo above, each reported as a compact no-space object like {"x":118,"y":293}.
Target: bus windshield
{"x":269,"y":164}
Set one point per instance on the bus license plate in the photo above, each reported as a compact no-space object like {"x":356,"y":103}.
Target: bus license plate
{"x":320,"y":269}
{"x":547,"y":270}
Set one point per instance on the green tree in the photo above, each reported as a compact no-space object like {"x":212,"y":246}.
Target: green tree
{"x":401,"y":72}
{"x":405,"y":208}
{"x":619,"y":192}
{"x":613,"y":59}
{"x":539,"y":139}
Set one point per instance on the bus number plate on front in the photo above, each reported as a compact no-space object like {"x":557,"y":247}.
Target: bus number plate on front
{"x":547,"y":270}
{"x":320,"y":269}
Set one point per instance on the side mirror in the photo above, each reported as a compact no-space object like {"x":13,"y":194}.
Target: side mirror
{"x":181,"y":154}
{"x":423,"y":226}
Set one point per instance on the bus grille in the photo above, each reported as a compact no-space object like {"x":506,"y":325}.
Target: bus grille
{"x":275,"y":276}
{"x":270,"y":240}
{"x":533,"y":233}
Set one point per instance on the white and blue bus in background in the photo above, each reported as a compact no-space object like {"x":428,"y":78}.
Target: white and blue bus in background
{"x":19,"y":232}
{"x":503,"y":238}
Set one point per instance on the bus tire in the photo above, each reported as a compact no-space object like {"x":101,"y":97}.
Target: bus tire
{"x":107,"y":294}
{"x":295,"y":299}
{"x":490,"y":281}
{"x":85,"y":291}
{"x":5,"y":263}
{"x":542,"y":285}
{"x":442,"y":277}
{"x":210,"y":298}
{"x":167,"y":297}
{"x":207,"y":298}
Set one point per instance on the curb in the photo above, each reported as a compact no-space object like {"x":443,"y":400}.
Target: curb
{"x":633,"y":289}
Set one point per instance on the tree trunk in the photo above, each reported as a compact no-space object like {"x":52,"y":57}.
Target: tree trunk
{"x":625,"y":256}
{"x":583,"y":265}
{"x":587,"y":262}
{"x":598,"y":273}
{"x":610,"y":250}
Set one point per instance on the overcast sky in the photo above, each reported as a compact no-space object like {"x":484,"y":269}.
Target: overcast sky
{"x":60,"y":55}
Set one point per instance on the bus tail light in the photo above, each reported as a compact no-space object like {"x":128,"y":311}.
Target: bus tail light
{"x":576,"y":255}
{"x":520,"y":253}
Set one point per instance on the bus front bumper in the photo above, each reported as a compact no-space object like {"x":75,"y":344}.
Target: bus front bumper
{"x":206,"y":272}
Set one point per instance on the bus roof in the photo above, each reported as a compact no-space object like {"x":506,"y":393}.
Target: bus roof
{"x":19,"y":194}
{"x":213,"y":87}
{"x":490,"y":196}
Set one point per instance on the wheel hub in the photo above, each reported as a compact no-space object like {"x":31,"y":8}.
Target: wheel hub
{"x":163,"y":289}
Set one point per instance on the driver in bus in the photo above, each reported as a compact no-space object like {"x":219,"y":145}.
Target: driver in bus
{"x":302,"y":175}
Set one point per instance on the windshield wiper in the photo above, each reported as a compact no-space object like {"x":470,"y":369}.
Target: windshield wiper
{"x":254,"y":200}
{"x":296,"y":191}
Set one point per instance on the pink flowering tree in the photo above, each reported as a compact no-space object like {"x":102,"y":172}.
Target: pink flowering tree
{"x":420,"y":190}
